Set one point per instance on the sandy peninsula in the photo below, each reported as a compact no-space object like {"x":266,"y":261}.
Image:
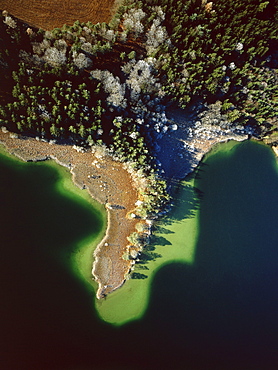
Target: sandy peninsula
{"x":109,"y":183}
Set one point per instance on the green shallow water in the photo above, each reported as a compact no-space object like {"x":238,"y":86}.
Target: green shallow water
{"x":210,"y":301}
{"x":174,"y":240}
{"x":65,"y":220}
{"x":230,"y":177}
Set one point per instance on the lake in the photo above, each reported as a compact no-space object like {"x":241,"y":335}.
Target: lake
{"x":214,"y":307}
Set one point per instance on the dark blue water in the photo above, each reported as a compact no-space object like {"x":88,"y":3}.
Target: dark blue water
{"x":223,"y":310}
{"x":219,"y":313}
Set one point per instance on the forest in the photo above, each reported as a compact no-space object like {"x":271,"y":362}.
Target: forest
{"x":110,"y":84}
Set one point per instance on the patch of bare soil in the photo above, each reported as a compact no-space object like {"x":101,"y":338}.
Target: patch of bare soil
{"x":49,"y":14}
{"x":108,"y":182}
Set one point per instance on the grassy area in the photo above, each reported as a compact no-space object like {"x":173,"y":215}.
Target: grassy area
{"x":49,"y":14}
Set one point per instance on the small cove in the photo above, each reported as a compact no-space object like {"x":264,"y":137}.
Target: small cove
{"x":223,"y":308}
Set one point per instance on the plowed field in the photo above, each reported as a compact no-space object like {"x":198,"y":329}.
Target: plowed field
{"x":48,"y":14}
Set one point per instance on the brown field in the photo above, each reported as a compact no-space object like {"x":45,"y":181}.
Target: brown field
{"x":48,"y":14}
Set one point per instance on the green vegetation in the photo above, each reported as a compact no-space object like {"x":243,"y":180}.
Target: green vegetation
{"x":213,"y":45}
{"x":51,"y":107}
{"x":109,"y":85}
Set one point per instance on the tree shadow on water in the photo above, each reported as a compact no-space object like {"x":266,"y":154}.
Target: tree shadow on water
{"x":159,"y":240}
{"x":147,"y":256}
{"x":137,"y":275}
{"x":162,"y":230}
{"x":222,"y":311}
{"x":186,"y":201}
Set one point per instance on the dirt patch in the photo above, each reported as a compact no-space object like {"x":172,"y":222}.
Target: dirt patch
{"x":108,"y":182}
{"x":49,"y":14}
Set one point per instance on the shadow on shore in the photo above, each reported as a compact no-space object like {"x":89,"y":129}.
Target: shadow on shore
{"x":185,"y":203}
{"x":218,"y":314}
{"x":222,"y":311}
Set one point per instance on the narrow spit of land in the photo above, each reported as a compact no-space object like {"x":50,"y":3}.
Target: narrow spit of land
{"x":109,"y":183}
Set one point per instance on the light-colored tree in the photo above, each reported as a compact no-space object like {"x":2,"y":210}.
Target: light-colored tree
{"x":112,"y":86}
{"x":9,"y":21}
{"x":81,"y":61}
{"x":87,"y":46}
{"x":99,"y":151}
{"x":140,"y":78}
{"x":54,"y":57}
{"x":132,"y":20}
{"x":61,"y":45}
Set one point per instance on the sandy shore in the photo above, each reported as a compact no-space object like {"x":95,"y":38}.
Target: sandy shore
{"x":109,"y":183}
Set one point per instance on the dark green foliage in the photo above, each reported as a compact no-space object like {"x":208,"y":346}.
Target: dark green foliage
{"x":206,"y":40}
{"x":12,"y":40}
{"x":220,"y":51}
{"x":53,"y":107}
{"x":127,"y":142}
{"x":261,"y":100}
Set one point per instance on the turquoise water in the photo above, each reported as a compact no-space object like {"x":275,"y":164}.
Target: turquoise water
{"x":220,"y":311}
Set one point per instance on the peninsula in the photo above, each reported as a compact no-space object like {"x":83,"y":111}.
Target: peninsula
{"x":130,"y":107}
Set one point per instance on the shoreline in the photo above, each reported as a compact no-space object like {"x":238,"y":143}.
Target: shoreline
{"x":107,"y":182}
{"x":112,"y":185}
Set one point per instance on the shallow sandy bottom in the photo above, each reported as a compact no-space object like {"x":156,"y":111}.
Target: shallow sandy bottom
{"x":108,"y":182}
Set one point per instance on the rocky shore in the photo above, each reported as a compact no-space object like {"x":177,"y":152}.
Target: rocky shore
{"x":181,"y":148}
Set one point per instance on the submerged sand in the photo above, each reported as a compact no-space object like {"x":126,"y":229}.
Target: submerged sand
{"x":111,"y":184}
{"x":108,"y":182}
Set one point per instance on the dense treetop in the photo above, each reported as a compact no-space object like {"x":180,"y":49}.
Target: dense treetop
{"x":110,"y":84}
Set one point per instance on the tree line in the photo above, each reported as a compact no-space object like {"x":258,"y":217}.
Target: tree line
{"x":110,"y":84}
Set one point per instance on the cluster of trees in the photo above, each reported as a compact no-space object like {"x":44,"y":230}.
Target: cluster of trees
{"x":128,"y":144}
{"x":213,"y":45}
{"x":49,"y":107}
{"x":109,"y":84}
{"x":58,"y":94}
{"x":155,"y":193}
{"x":81,"y":42}
{"x":152,"y":188}
{"x":13,"y":38}
{"x":258,"y":99}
